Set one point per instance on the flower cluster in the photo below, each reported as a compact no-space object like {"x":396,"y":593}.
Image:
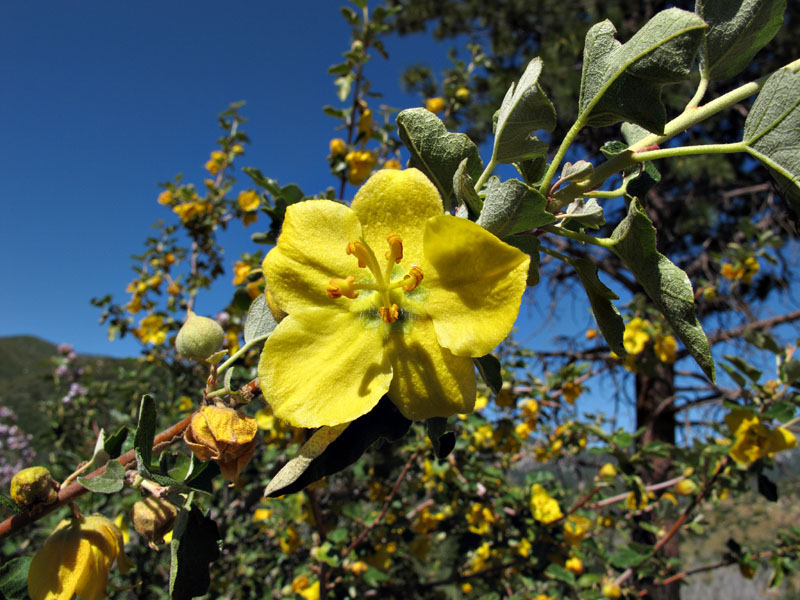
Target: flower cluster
{"x":743,"y":271}
{"x":754,"y":440}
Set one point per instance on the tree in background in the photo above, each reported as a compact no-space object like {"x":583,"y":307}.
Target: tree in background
{"x":397,"y":499}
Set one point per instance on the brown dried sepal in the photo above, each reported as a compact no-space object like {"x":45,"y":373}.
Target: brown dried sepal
{"x":224,"y":435}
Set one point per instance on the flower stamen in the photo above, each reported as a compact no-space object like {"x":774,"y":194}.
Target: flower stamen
{"x":389,"y":314}
{"x":412,"y":279}
{"x":342,"y":287}
{"x":359,"y":250}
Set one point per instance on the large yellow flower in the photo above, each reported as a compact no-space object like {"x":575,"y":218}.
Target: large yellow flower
{"x":76,"y":559}
{"x":387,"y":297}
{"x":755,"y":440}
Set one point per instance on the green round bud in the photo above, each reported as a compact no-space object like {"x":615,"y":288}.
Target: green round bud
{"x":153,"y":518}
{"x":199,"y":337}
{"x":33,"y":486}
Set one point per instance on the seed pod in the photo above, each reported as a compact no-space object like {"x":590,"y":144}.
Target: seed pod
{"x":153,"y":518}
{"x":199,"y":337}
{"x":33,"y":486}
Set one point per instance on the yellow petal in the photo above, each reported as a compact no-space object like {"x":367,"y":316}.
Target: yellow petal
{"x":476,"y":284}
{"x":781,"y":438}
{"x":311,"y":250}
{"x":739,"y":420}
{"x":400,"y":202}
{"x":57,"y":567}
{"x":429,"y":381}
{"x":324,"y":366}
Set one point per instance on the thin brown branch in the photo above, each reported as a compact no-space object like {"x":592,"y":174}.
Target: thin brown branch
{"x":75,"y":490}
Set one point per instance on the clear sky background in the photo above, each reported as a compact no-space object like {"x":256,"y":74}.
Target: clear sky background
{"x":103,"y":100}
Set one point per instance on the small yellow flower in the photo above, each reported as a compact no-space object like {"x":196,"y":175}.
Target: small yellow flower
{"x":216,"y":161}
{"x":360,"y":164}
{"x":754,"y":440}
{"x":524,"y":548}
{"x":185,"y":404}
{"x":574,"y":565}
{"x":732,"y":273}
{"x":751,"y":269}
{"x":466,"y":587}
{"x":543,"y":506}
{"x":237,"y":149}
{"x":607,"y":472}
{"x":240,"y":272}
{"x":635,"y":336}
{"x":571,"y":391}
{"x":76,"y":559}
{"x":666,"y":348}
{"x":523,"y":429}
{"x":165,"y":198}
{"x":365,"y":123}
{"x":152,"y":330}
{"x":575,"y":529}
{"x":173,"y":289}
{"x":435,"y":105}
{"x":480,"y":402}
{"x":248,"y":200}
{"x":686,"y":487}
{"x":591,"y":334}
{"x":632,"y":504}
{"x":462,"y":94}
{"x":359,"y":568}
{"x":189,"y":210}
{"x":392,"y":163}
{"x":338,"y":147}
{"x":611,"y":589}
{"x":290,"y":542}
{"x":480,"y":518}
{"x":415,"y":294}
{"x":262,"y":514}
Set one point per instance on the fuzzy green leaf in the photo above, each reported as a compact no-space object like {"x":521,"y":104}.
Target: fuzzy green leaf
{"x":622,"y":82}
{"x":442,"y":440}
{"x":110,"y":481}
{"x":14,"y":578}
{"x":577,"y":172}
{"x":666,"y":285}
{"x":260,"y":321}
{"x":525,"y":109}
{"x":491,"y":371}
{"x":530,"y":245}
{"x":145,"y":434}
{"x":512,"y":207}
{"x":436,"y":152}
{"x":772,"y":132}
{"x":195,"y":545}
{"x":586,"y":212}
{"x":605,"y":313}
{"x":464,"y":189}
{"x":737,"y":29}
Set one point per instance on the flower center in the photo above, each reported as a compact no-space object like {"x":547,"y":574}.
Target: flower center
{"x":383,"y":283}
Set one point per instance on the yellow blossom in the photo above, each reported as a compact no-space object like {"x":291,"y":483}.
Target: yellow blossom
{"x":611,"y":589}
{"x":185,"y":404}
{"x":365,"y":123}
{"x":173,"y":289}
{"x":119,"y":521}
{"x":574,"y":565}
{"x":686,"y":487}
{"x":360,"y":164}
{"x":357,"y":330}
{"x":466,"y":587}
{"x":543,"y":597}
{"x":262,"y":514}
{"x":248,"y":200}
{"x":462,"y":94}
{"x":254,"y":288}
{"x":165,"y":197}
{"x":635,"y":336}
{"x":216,"y":161}
{"x":76,"y":559}
{"x":359,"y":568}
{"x":732,"y":273}
{"x":240,"y":271}
{"x":753,"y":439}
{"x":311,"y":592}
{"x":435,"y":105}
{"x":524,"y":548}
{"x":591,"y":334}
{"x":666,"y":348}
{"x":338,"y":147}
{"x":575,"y":529}
{"x":237,"y":149}
{"x":480,"y":402}
{"x":523,"y":429}
{"x":152,"y":330}
{"x":607,"y":472}
{"x":300,"y":583}
{"x":631,"y":503}
{"x":571,"y":391}
{"x":481,"y":556}
{"x":480,"y":518}
{"x":751,"y":269}
{"x":189,"y":210}
{"x":543,"y":506}
{"x":290,"y":542}
{"x":392,"y":163}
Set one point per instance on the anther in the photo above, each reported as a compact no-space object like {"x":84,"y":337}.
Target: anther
{"x":412,"y":279}
{"x":389,"y":314}
{"x":395,"y":252}
{"x":358,"y":250}
{"x":342,"y":287}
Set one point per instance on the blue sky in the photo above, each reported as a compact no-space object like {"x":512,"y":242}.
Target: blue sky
{"x":103,"y":100}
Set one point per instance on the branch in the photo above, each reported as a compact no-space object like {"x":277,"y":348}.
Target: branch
{"x":75,"y":490}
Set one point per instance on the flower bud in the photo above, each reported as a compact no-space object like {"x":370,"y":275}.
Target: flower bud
{"x":607,"y":472}
{"x":33,"y":486}
{"x":199,"y":337}
{"x":611,"y":589}
{"x":574,"y":565}
{"x":223,"y":435}
{"x":686,"y":487}
{"x":153,"y":518}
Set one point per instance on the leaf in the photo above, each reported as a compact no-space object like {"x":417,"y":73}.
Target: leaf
{"x":436,"y":152}
{"x":8,"y":505}
{"x":530,"y":245}
{"x":767,"y":488}
{"x":464,"y":190}
{"x":742,"y":365}
{"x":14,"y":578}
{"x":532,"y":170}
{"x":622,"y":82}
{"x":586,"y":212}
{"x":605,"y":313}
{"x":556,"y":571}
{"x":525,"y":109}
{"x":145,"y":434}
{"x":201,"y":475}
{"x":194,"y":546}
{"x":110,"y":481}
{"x":639,"y":178}
{"x":791,"y":371}
{"x":382,"y":422}
{"x":312,"y":449}
{"x":260,"y":321}
{"x":634,"y":241}
{"x":737,"y":29}
{"x":627,"y":557}
{"x":772,"y":132}
{"x":579,"y":171}
{"x":512,"y":207}
{"x":113,"y":444}
{"x":443,"y":441}
{"x":491,"y":372}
